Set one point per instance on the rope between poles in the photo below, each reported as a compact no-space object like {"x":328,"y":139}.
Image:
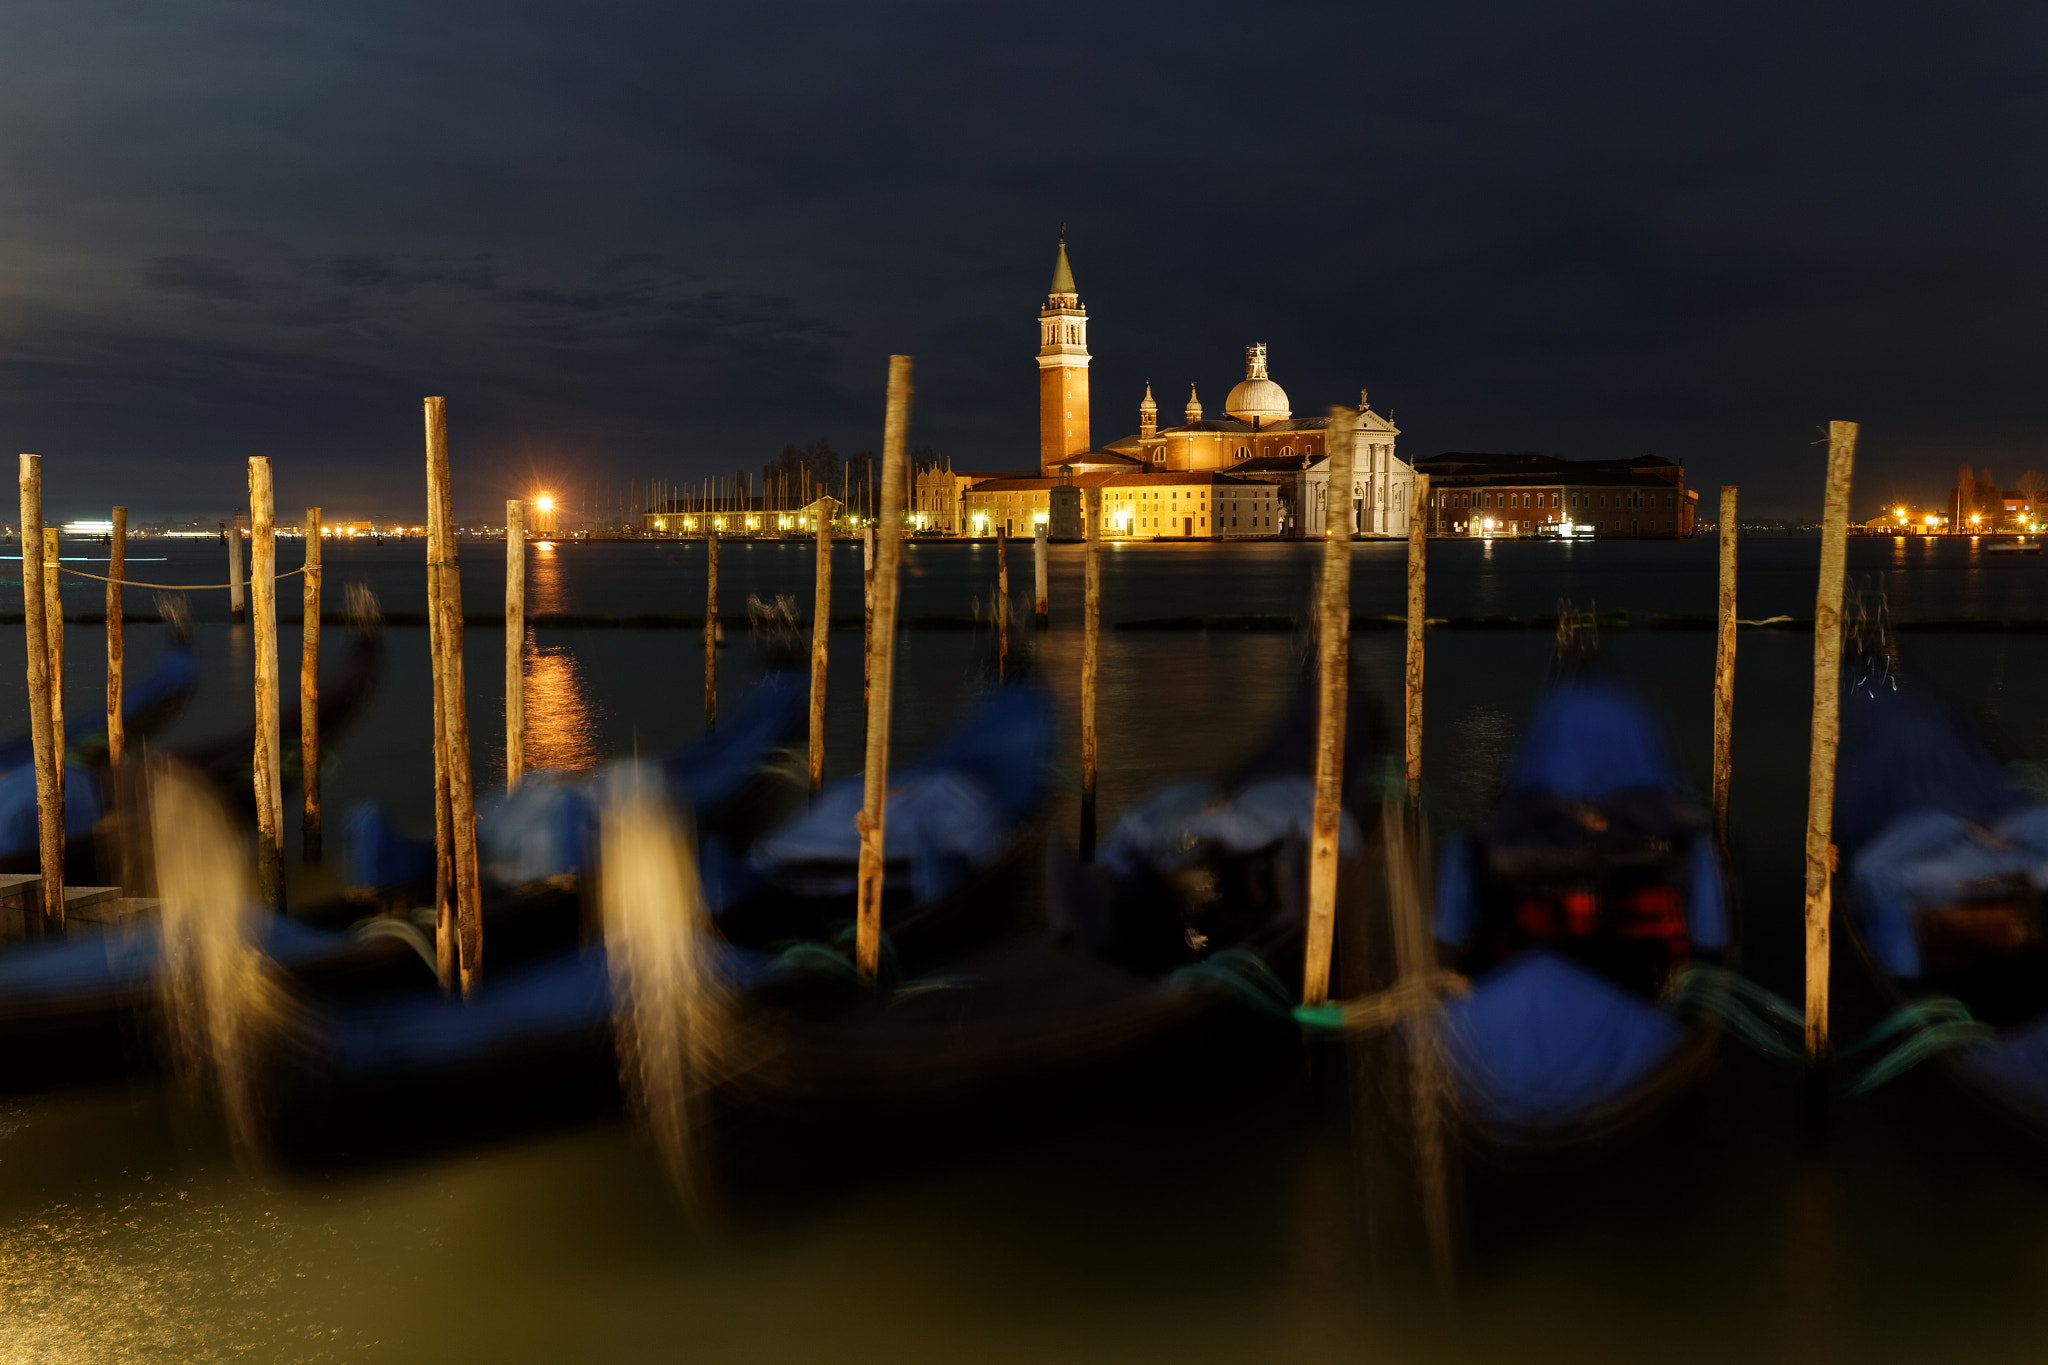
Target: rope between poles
{"x":172,"y":587}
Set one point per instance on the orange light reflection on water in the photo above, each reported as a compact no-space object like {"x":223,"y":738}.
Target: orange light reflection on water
{"x":544,"y":590}
{"x":561,"y":719}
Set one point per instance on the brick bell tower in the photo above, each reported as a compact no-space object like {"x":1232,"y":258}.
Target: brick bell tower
{"x":1062,"y":369}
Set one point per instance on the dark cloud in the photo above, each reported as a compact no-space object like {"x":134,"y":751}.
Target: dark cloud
{"x":635,"y":239}
{"x":199,"y":276}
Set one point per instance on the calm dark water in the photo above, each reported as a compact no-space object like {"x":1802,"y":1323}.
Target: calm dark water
{"x":1224,"y":1227}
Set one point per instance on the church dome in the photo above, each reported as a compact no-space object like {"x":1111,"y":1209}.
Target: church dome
{"x":1257,"y":398}
{"x":1260,"y":398}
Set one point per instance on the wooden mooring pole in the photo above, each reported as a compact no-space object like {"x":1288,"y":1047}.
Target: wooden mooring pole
{"x":267,"y":758}
{"x":445,"y":948}
{"x":1039,"y":533}
{"x":1333,"y":662}
{"x":1428,"y":1069}
{"x":881,"y":671}
{"x":117,"y":569}
{"x":1002,"y":602}
{"x":48,"y":743}
{"x":445,"y":614}
{"x":867,"y":611}
{"x":53,"y":645}
{"x":311,"y":839}
{"x":821,"y":625}
{"x":711,"y":630}
{"x":1091,"y":657}
{"x":1418,"y":594}
{"x":236,"y":583}
{"x":515,"y":642}
{"x":1827,"y":706}
{"x":1724,"y":669}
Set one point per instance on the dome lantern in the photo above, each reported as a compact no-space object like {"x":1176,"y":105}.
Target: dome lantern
{"x":1258,"y":399}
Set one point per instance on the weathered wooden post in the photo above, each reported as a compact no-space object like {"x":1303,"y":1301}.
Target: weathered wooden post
{"x":1827,"y":703}
{"x":1724,"y":669}
{"x":47,"y":742}
{"x":1038,"y":535}
{"x":1428,"y":1070}
{"x":711,"y":631}
{"x":311,"y":839}
{"x":1091,"y":656}
{"x":515,"y":642}
{"x":53,"y":645}
{"x":1333,"y":652}
{"x":821,"y":625}
{"x":1002,"y":602}
{"x":446,"y":613}
{"x":867,"y":611}
{"x":236,"y":609}
{"x":881,"y":669}
{"x":268,"y":755}
{"x":446,"y":965}
{"x":1418,"y":584}
{"x":117,"y":569}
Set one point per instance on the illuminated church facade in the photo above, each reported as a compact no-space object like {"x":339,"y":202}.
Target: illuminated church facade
{"x":1256,"y":441}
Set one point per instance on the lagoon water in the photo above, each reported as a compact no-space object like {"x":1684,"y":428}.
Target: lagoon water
{"x":1220,"y":1225}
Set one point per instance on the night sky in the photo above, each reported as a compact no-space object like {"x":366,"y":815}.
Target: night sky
{"x":661,"y":240}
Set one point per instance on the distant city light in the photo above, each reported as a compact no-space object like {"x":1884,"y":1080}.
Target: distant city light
{"x":88,"y":528}
{"x":545,"y":502}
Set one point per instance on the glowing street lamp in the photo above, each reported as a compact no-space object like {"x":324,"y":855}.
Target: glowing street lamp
{"x":543,"y":514}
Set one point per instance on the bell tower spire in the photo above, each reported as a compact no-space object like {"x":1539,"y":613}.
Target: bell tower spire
{"x":1148,"y":413}
{"x":1062,"y":368}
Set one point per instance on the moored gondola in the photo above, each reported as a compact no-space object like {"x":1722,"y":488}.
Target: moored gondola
{"x":1944,"y":858}
{"x":1593,"y":893}
{"x":225,"y":761}
{"x":1194,"y":909}
{"x":86,"y":1007}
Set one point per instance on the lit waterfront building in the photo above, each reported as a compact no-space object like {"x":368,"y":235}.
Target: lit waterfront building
{"x":939,"y":493}
{"x":1188,"y":505}
{"x":1529,"y":495}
